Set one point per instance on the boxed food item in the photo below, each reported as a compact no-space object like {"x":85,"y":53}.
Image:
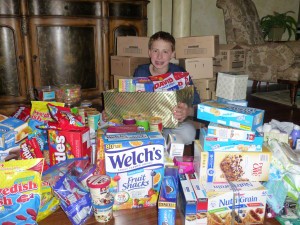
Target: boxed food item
{"x":175,"y":145}
{"x":205,"y":87}
{"x":231,"y":58}
{"x":116,"y":81}
{"x":66,"y":144}
{"x":135,"y":163}
{"x":184,"y":164}
{"x":231,"y":87}
{"x":168,"y":198}
{"x":225,"y":132}
{"x":202,"y":200}
{"x":132,"y":46}
{"x":125,"y":65}
{"x":197,"y":47}
{"x":223,"y":166}
{"x":187,"y":200}
{"x":245,"y":118}
{"x":210,"y":143}
{"x":198,"y":68}
{"x":10,"y":153}
{"x":162,"y":104}
{"x":12,"y":132}
{"x":235,"y":202}
{"x":241,"y":102}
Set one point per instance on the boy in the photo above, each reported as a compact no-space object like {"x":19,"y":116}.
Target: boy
{"x":161,"y":51}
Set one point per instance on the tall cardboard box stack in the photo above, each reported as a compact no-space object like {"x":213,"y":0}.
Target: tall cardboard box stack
{"x":233,"y":160}
{"x":196,"y":55}
{"x":132,"y":51}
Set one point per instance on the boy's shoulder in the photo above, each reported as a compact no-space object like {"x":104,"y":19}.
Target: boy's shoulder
{"x":175,"y":68}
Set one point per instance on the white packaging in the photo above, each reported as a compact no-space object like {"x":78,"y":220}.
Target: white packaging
{"x":175,"y":145}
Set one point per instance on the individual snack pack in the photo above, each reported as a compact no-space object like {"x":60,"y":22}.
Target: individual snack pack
{"x":170,"y":81}
{"x":39,"y":110}
{"x":40,"y":134}
{"x":22,"y":113}
{"x":20,"y":194}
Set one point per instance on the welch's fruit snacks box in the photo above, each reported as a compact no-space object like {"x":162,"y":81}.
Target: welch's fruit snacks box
{"x":135,"y":163}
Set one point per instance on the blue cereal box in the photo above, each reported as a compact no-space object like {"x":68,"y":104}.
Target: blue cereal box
{"x":135,"y":163}
{"x":245,"y":118}
{"x":211,"y":143}
{"x":187,"y":200}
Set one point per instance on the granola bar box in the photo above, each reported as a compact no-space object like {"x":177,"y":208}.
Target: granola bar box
{"x":160,"y":104}
{"x":216,"y":166}
{"x":236,"y":202}
{"x":135,"y":163}
{"x":241,"y":117}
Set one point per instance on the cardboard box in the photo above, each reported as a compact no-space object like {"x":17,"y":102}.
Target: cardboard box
{"x":175,"y":145}
{"x":245,"y":118}
{"x":202,"y":200}
{"x":162,"y":104}
{"x":205,"y":87}
{"x":232,"y":87}
{"x":125,"y":65}
{"x":197,"y":47}
{"x":210,"y":143}
{"x":135,"y":163}
{"x":132,"y":46}
{"x":187,"y":200}
{"x":65,"y":144}
{"x":236,"y":202}
{"x":198,"y":67}
{"x":116,"y":80}
{"x":218,"y":166}
{"x":231,"y":58}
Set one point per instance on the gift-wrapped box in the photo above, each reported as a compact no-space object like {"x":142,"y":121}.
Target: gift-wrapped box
{"x":160,"y":104}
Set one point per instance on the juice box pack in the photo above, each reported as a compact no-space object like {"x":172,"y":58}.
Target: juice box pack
{"x":66,"y":144}
{"x":241,"y":117}
{"x":235,"y":202}
{"x":232,"y":166}
{"x":135,"y":163}
{"x":211,"y":143}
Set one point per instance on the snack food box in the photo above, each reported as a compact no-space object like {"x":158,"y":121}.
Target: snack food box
{"x":231,"y":87}
{"x":167,"y":205}
{"x":202,"y":200}
{"x":12,"y":131}
{"x":232,"y":166}
{"x":245,"y":118}
{"x":184,"y":164}
{"x":187,"y":200}
{"x":211,"y":143}
{"x":66,"y":144}
{"x":135,"y":163}
{"x":162,"y":104}
{"x":235,"y":202}
{"x":10,"y":153}
{"x":175,"y":145}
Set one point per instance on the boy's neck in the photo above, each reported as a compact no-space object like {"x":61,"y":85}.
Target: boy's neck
{"x":156,"y":71}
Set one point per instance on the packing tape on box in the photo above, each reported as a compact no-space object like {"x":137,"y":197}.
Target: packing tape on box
{"x":150,"y":104}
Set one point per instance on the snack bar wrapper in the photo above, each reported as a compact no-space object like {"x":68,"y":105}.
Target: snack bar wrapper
{"x":160,"y":104}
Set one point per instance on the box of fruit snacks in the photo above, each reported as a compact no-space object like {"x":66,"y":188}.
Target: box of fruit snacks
{"x":135,"y":163}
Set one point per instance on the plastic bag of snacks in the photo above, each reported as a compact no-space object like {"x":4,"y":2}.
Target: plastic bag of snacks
{"x":20,"y":194}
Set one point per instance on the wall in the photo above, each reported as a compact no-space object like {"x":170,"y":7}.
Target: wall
{"x":207,"y":19}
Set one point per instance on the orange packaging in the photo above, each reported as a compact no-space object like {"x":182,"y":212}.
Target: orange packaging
{"x":100,"y":155}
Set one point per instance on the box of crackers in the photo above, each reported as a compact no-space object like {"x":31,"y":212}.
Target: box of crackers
{"x":236,"y":116}
{"x":216,"y":166}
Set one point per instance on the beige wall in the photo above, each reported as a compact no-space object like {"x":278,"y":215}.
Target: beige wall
{"x":207,"y":19}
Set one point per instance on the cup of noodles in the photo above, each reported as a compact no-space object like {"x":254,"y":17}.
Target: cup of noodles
{"x":103,"y":210}
{"x":98,"y":185}
{"x":70,"y":94}
{"x":155,"y":124}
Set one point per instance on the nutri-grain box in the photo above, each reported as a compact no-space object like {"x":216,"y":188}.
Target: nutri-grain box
{"x":135,"y":163}
{"x":235,"y":202}
{"x":216,"y":166}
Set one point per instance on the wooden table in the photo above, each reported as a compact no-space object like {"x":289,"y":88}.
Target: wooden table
{"x":143,"y":216}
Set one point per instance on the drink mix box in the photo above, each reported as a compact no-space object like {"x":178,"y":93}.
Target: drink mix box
{"x":213,"y":143}
{"x":216,"y":166}
{"x":241,"y":117}
{"x":135,"y":163}
{"x":235,"y":202}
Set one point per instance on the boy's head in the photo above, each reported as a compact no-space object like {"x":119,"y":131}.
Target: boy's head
{"x":162,"y":35}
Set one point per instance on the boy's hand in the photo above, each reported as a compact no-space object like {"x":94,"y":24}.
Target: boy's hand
{"x":181,"y":111}
{"x":104,"y":116}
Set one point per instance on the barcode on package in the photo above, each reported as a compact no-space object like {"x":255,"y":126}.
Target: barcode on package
{"x":264,"y":158}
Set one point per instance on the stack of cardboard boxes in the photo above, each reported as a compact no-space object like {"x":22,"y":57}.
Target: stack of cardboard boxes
{"x":132,"y":51}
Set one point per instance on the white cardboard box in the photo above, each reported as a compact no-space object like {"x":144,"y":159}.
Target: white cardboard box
{"x":205,"y":87}
{"x":197,"y":47}
{"x":231,"y":87}
{"x":175,"y":145}
{"x":198,"y":67}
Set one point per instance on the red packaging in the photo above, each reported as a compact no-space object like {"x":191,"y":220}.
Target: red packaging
{"x":64,"y":144}
{"x":22,"y":113}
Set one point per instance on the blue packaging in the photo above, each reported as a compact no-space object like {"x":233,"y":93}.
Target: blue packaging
{"x":233,"y":102}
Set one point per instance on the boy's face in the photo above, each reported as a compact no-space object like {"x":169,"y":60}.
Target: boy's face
{"x":160,"y":54}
